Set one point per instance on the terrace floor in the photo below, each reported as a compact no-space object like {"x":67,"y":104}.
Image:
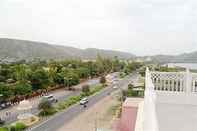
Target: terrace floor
{"x":176,"y":117}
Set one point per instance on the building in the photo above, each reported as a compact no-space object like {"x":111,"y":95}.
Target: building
{"x":170,"y":103}
{"x":110,"y":78}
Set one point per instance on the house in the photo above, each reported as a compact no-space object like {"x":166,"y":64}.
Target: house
{"x":170,"y":103}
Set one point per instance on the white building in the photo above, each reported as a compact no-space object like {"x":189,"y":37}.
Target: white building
{"x":170,"y":102}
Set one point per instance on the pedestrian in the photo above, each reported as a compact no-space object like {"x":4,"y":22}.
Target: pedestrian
{"x":6,"y":113}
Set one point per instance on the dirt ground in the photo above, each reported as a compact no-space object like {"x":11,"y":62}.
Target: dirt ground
{"x":99,"y":116}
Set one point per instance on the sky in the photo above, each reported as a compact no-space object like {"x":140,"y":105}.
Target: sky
{"x":141,"y":27}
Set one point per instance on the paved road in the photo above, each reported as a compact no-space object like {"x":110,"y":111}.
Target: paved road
{"x":61,"y":95}
{"x":60,"y":119}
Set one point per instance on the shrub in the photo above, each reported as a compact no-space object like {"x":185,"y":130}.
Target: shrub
{"x":74,"y":99}
{"x":44,"y":104}
{"x":4,"y":129}
{"x":46,"y":108}
{"x":102,"y":80}
{"x":86,"y":89}
{"x":69,"y":102}
{"x":96,"y":89}
{"x":130,"y":86}
{"x":47,"y":112}
{"x":12,"y":128}
{"x":20,"y":126}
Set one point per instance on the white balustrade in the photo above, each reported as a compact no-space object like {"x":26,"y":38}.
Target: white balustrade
{"x":170,"y":88}
{"x":174,"y":81}
{"x":150,"y":119}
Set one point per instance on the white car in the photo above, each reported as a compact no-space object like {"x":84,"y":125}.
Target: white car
{"x":84,"y":101}
{"x":50,"y":98}
{"x":115,"y":87}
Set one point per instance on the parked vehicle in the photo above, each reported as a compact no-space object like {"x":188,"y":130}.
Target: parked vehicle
{"x":84,"y":101}
{"x":115,"y":87}
{"x":50,"y":98}
{"x":4,"y":105}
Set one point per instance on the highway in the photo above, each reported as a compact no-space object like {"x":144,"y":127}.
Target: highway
{"x":61,"y":95}
{"x":58,"y":120}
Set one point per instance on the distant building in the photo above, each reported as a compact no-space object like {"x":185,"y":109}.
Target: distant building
{"x":111,"y":77}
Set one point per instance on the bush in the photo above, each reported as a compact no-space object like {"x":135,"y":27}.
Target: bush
{"x":130,"y":86}
{"x":86,"y":89}
{"x":74,"y":99}
{"x":12,"y":128}
{"x":67,"y":103}
{"x":47,"y":112}
{"x":4,"y":129}
{"x":96,"y":89}
{"x":44,"y":104}
{"x":102,"y":80}
{"x":46,"y":108}
{"x":20,"y":126}
{"x":122,"y":74}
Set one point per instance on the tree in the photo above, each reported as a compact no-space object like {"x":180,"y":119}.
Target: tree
{"x":86,"y":89}
{"x":130,"y":86}
{"x":5,"y":91}
{"x":92,"y":69}
{"x":20,"y":72}
{"x":5,"y":73}
{"x":100,"y":64}
{"x":59,"y":78}
{"x":44,"y":104}
{"x":71,"y":79}
{"x":83,"y":72}
{"x":39,"y":79}
{"x":22,"y":88}
{"x":46,"y":107}
{"x":102,"y":80}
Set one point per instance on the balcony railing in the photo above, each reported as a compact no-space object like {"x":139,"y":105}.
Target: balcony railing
{"x":183,"y":82}
{"x":168,"y":88}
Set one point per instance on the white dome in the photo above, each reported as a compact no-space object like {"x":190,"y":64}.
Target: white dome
{"x":24,"y":105}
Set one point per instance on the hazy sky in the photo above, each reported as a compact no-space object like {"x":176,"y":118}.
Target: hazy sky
{"x":142,"y":27}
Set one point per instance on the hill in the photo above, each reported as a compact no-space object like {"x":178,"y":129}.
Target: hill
{"x":13,"y":49}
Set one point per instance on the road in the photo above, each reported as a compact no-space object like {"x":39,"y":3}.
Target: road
{"x":55,"y":122}
{"x":61,"y":95}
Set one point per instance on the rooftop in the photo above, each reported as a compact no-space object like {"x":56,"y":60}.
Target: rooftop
{"x":170,"y":102}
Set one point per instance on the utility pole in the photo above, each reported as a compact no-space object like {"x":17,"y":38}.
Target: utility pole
{"x":95,"y":123}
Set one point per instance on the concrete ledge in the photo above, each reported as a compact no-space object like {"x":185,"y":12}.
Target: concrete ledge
{"x":140,"y":117}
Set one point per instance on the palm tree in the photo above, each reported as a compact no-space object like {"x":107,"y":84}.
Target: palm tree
{"x":20,"y":72}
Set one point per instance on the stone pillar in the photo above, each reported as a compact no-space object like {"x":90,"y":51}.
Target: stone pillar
{"x":188,"y":81}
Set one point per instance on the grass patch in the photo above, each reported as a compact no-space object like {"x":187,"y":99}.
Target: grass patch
{"x":75,"y":99}
{"x":48,"y":112}
{"x":4,"y":129}
{"x":15,"y":127}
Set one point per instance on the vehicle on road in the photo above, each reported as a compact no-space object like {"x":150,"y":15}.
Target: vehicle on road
{"x":115,"y":87}
{"x":84,"y":101}
{"x":50,"y":98}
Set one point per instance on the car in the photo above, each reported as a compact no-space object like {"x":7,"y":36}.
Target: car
{"x":115,"y":87}
{"x":50,"y":98}
{"x":84,"y":101}
{"x":4,"y":105}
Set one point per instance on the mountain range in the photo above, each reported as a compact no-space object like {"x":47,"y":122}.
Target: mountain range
{"x":14,"y":49}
